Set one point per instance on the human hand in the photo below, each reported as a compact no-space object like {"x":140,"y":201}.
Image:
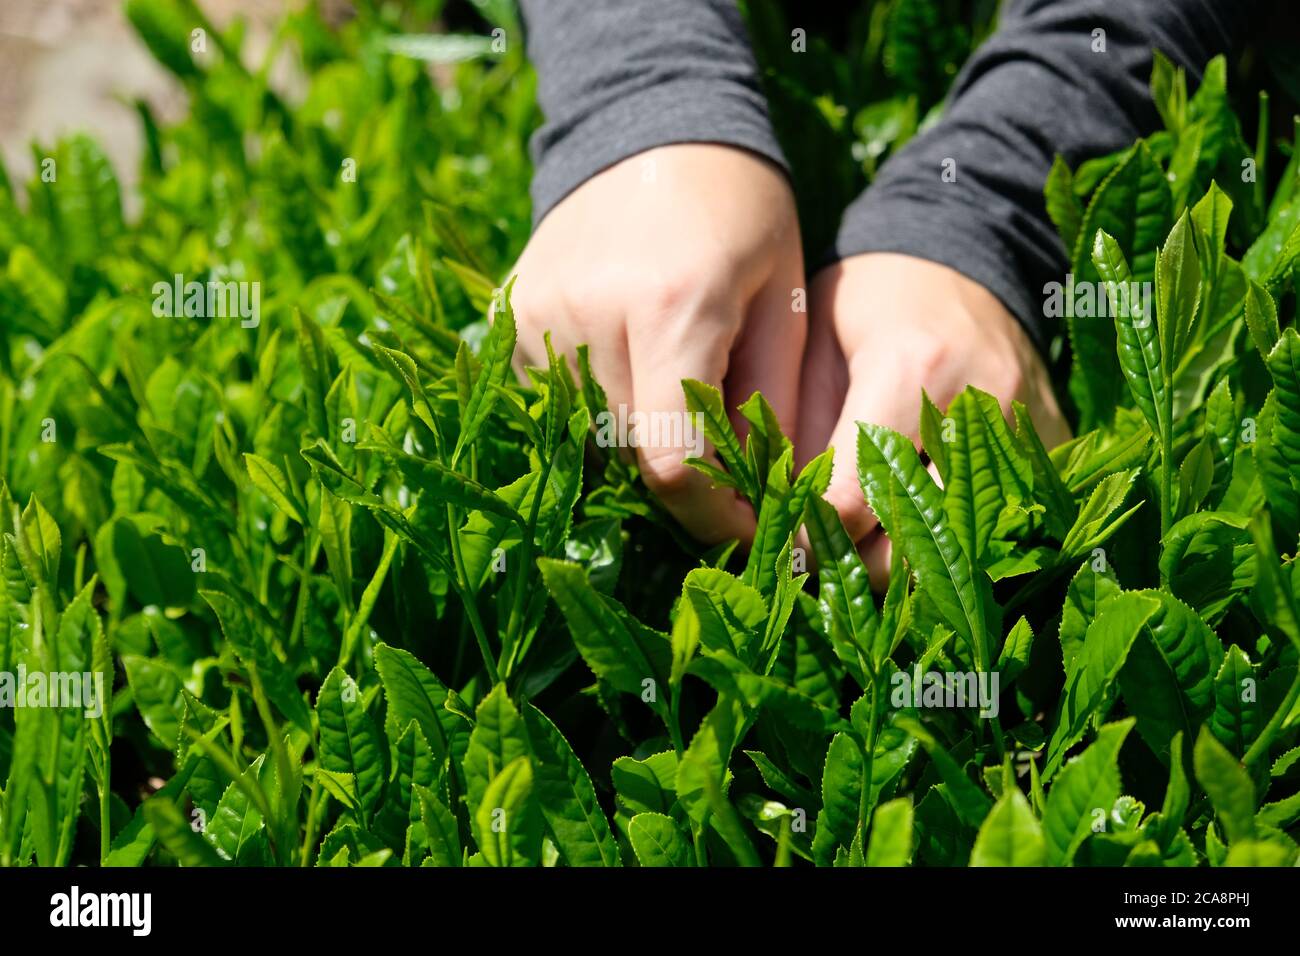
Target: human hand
{"x":883,"y":326}
{"x":679,"y":262}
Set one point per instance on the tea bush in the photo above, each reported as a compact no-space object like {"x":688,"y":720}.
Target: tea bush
{"x":360,"y":597}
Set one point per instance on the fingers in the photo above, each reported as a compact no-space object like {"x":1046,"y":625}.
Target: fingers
{"x":661,"y":354}
{"x":1044,"y":410}
{"x":877,"y":552}
{"x":571,"y":321}
{"x":879,"y":393}
{"x":823,"y":383}
{"x":769,"y":353}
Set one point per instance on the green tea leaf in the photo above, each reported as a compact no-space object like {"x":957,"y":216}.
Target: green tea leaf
{"x":254,"y":651}
{"x":498,"y":738}
{"x":349,"y":740}
{"x":270,"y":481}
{"x":414,"y":693}
{"x":705,"y":400}
{"x":657,"y":841}
{"x":567,"y":797}
{"x":1236,"y":720}
{"x":891,"y":834}
{"x":173,"y":831}
{"x":844,"y":593}
{"x":1010,"y":835}
{"x":1228,"y":787}
{"x":507,"y":824}
{"x":904,"y":496}
{"x":1086,"y":789}
{"x":624,"y":655}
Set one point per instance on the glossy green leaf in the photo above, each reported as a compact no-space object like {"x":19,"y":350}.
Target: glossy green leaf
{"x":891,"y":834}
{"x":910,"y":506}
{"x":657,"y":841}
{"x":566,"y":796}
{"x":1010,"y":835}
{"x":250,"y":644}
{"x":625,"y":656}
{"x":1086,"y":789}
{"x":349,"y":740}
{"x":507,"y":822}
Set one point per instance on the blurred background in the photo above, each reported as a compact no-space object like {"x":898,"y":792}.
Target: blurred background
{"x":76,"y":66}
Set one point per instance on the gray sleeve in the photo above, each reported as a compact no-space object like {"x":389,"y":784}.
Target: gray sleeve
{"x":1036,"y":88}
{"x":617,"y":77}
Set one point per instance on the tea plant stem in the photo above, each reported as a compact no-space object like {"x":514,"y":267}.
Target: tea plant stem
{"x":309,"y":836}
{"x":1260,"y":747}
{"x":6,"y":429}
{"x":998,"y":747}
{"x":674,"y":717}
{"x":467,"y":597}
{"x":1261,"y":153}
{"x":517,"y":610}
{"x":300,"y":607}
{"x":283,"y":771}
{"x":868,"y":761}
{"x":264,"y":573}
{"x":1166,"y":487}
{"x":783,"y":845}
{"x":79,"y":572}
{"x":105,"y":808}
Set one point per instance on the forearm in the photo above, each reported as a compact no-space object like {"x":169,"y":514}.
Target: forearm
{"x":1037,"y":88}
{"x":618,"y":77}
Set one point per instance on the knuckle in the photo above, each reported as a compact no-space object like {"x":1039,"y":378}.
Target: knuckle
{"x":601,"y":291}
{"x":675,"y":291}
{"x":934,"y":354}
{"x":532,"y":302}
{"x":665,"y":472}
{"x":1005,"y":377}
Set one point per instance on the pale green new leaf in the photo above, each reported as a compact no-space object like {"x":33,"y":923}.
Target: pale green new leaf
{"x":891,"y":834}
{"x":1086,"y":787}
{"x":566,"y":796}
{"x":270,"y":480}
{"x":844,"y":591}
{"x":349,"y":740}
{"x":1010,"y":835}
{"x":910,"y":506}
{"x":986,"y":471}
{"x":498,"y":738}
{"x":624,"y":655}
{"x":1105,"y":649}
{"x":658,"y":841}
{"x":1228,"y":786}
{"x":1136,"y":335}
{"x":507,"y":824}
{"x":1237,"y":719}
{"x":414,"y":693}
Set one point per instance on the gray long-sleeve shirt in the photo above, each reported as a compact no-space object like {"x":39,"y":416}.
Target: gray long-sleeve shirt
{"x":617,"y":77}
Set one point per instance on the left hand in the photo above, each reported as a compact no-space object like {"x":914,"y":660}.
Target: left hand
{"x":883,"y":326}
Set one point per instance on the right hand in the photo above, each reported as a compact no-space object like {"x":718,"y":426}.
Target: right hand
{"x":679,"y":262}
